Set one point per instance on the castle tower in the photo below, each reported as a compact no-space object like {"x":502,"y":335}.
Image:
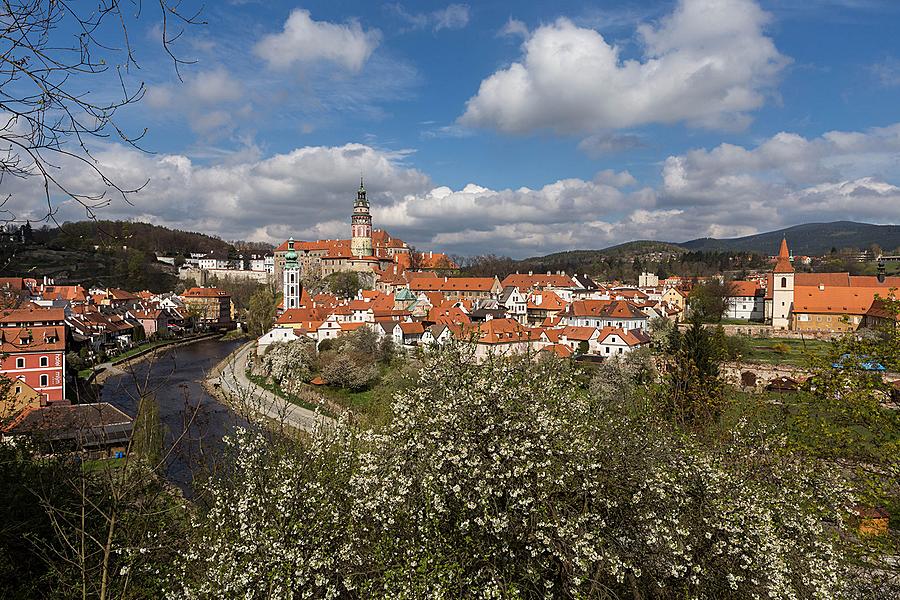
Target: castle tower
{"x":782,"y":289}
{"x":290,"y":276}
{"x":361,"y":225}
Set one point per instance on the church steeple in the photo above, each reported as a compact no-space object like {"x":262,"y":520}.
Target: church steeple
{"x":361,"y":224}
{"x":291,"y":285}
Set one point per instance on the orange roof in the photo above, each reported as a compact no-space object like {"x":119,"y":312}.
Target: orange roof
{"x":743,"y":288}
{"x":527,"y":281}
{"x":12,"y":283}
{"x":351,"y":326}
{"x":64,"y":292}
{"x":32,"y":315}
{"x":40,"y":339}
{"x":634,"y":337}
{"x":622,"y":309}
{"x":412,"y":328}
{"x":783,"y":264}
{"x":834,"y":300}
{"x":558,"y":349}
{"x":293,"y":316}
{"x":504,"y":331}
{"x":581,"y":334}
{"x":447,"y":314}
{"x":198,"y":292}
{"x":883,"y":310}
{"x":549,"y":301}
{"x":452,"y":284}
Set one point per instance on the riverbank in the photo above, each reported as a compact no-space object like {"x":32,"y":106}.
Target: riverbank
{"x":118,"y":366}
{"x":228,"y":381}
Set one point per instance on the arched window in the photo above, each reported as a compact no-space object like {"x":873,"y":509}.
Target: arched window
{"x":44,"y":381}
{"x":784,"y":282}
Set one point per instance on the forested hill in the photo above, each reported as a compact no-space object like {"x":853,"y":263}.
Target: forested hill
{"x":813,"y":239}
{"x":137,"y":236}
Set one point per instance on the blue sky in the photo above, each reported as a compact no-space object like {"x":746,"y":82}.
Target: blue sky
{"x":519,"y":128}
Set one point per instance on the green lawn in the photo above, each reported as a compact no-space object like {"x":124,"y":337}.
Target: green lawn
{"x":799,"y":353}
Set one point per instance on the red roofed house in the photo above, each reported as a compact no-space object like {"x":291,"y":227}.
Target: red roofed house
{"x":606,"y":313}
{"x":211,"y":305}
{"x":821,"y":302}
{"x":458,"y":287}
{"x":746,"y":301}
{"x":33,"y":350}
{"x":613,"y":341}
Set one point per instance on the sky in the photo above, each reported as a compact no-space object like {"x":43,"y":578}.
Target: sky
{"x":514,"y":128}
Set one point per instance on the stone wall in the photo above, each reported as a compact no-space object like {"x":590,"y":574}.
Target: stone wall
{"x":767,"y":331}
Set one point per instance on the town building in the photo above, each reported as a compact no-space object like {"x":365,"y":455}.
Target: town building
{"x":33,"y":351}
{"x":211,"y":306}
{"x":821,"y":302}
{"x":746,"y":301}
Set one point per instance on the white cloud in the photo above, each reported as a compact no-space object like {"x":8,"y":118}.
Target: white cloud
{"x":727,"y":190}
{"x":452,"y":16}
{"x":514,"y":28}
{"x":305,"y":41}
{"x":707,"y":64}
{"x":602,"y":144}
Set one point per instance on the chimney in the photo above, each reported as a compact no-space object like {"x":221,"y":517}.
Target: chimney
{"x":530,"y":273}
{"x":880,"y":271}
{"x":821,"y":287}
{"x":548,"y":272}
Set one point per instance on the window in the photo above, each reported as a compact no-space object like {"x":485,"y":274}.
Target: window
{"x":20,"y":363}
{"x":44,"y":361}
{"x":784,"y":282}
{"x":45,"y":381}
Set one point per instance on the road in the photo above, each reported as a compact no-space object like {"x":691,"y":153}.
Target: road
{"x":244,"y":394}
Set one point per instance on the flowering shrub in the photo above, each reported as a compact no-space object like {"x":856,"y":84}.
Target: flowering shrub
{"x":343,"y":370}
{"x":289,"y":364}
{"x":508,"y":479}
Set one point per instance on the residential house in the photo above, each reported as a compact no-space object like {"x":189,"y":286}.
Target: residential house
{"x":211,"y":306}
{"x":33,"y":350}
{"x":605,"y":313}
{"x":746,"y":301}
{"x":613,"y":341}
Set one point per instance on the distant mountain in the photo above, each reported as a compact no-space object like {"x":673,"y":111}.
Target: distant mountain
{"x":812,"y":239}
{"x":589,"y":261}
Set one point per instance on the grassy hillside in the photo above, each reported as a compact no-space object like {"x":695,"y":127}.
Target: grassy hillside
{"x":814,"y":239}
{"x":137,"y":236}
{"x":131,"y":270}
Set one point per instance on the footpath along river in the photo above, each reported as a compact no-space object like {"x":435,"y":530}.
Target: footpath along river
{"x":174,"y":376}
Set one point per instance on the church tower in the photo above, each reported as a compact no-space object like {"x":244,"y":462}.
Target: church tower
{"x":782,"y":289}
{"x":291,"y":278}
{"x":361,"y":225}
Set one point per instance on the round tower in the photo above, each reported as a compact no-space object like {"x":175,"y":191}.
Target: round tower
{"x":291,"y":278}
{"x":361,"y":224}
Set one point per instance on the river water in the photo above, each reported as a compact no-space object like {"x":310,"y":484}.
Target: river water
{"x":186,"y":409}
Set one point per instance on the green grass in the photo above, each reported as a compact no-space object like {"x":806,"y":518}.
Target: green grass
{"x":103,"y":464}
{"x":264,"y":383}
{"x":235,"y":334}
{"x":138,"y":349}
{"x":373,"y":405}
{"x":798,"y":353}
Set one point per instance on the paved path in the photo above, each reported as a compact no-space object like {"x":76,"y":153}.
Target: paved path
{"x":232,"y":380}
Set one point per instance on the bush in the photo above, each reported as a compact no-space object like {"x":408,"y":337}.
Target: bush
{"x":781,"y":348}
{"x":352,"y":373}
{"x":289,"y":364}
{"x":507,"y":479}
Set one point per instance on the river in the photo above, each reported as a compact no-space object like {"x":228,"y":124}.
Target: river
{"x":174,"y":377}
